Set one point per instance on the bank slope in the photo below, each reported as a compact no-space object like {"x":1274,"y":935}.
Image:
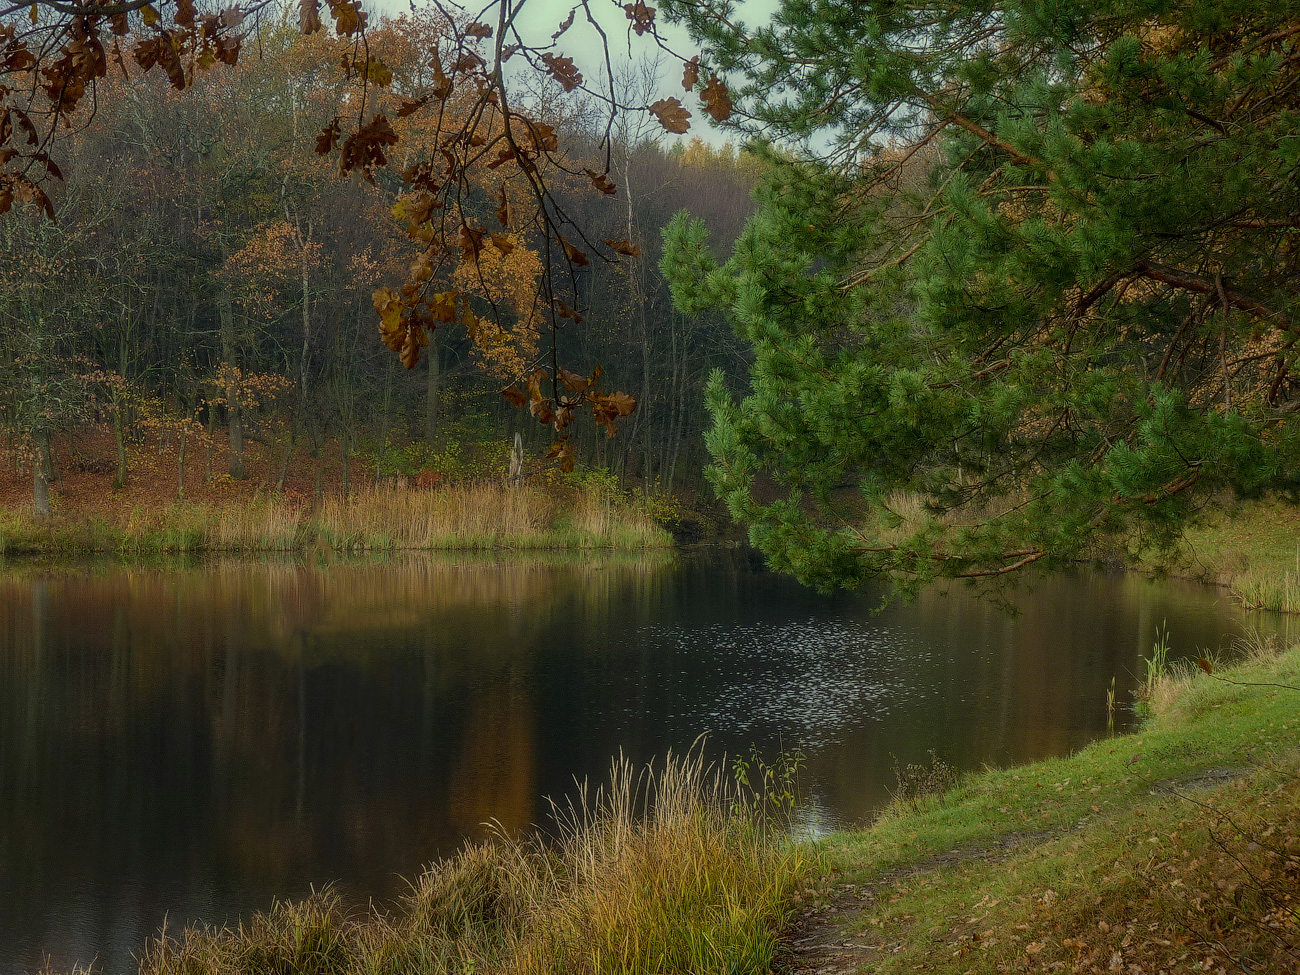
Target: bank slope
{"x":1175,"y":849}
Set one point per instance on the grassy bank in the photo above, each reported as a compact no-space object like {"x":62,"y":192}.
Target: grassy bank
{"x":1175,"y":849}
{"x":460,"y":517}
{"x":1251,"y":547}
{"x":678,"y":871}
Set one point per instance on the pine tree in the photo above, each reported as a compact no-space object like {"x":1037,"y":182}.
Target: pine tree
{"x":1030,"y":277}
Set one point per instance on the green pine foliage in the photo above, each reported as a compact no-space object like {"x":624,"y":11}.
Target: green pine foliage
{"x":1029,"y":276}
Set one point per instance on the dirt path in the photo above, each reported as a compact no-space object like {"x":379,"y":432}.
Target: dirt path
{"x":821,"y":942}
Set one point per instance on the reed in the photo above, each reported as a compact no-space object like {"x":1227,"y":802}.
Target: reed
{"x":484,"y":515}
{"x":472,"y":516}
{"x":675,"y":869}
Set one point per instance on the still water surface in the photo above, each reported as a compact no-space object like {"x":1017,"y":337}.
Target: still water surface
{"x":189,"y":743}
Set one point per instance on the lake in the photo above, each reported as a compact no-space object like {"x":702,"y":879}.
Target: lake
{"x":189,"y":742}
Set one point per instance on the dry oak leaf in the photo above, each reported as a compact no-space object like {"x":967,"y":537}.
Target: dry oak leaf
{"x":364,"y":148}
{"x":309,"y":16}
{"x":601,"y":181}
{"x":717,"y":100}
{"x":328,"y":137}
{"x":672,"y":115}
{"x":515,"y":397}
{"x":573,"y":382}
{"x":564,"y":311}
{"x":623,"y":247}
{"x":503,"y":244}
{"x":576,"y":257}
{"x":563,"y":70}
{"x":691,"y":73}
{"x":411,"y":106}
{"x":349,"y":18}
{"x":503,"y":208}
{"x":563,"y":449}
{"x":390,"y":307}
{"x":479,"y":30}
{"x":565,"y":25}
{"x":442,"y":307}
{"x":641,"y":15}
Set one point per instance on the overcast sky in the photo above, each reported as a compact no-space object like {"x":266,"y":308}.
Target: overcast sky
{"x":538,"y":19}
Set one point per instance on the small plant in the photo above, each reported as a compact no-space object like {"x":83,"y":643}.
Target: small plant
{"x":1158,"y":662}
{"x":916,"y":783}
{"x":768,"y":790}
{"x":1110,"y":705}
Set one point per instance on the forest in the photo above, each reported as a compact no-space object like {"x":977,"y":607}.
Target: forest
{"x":200,"y":321}
{"x":365,"y":374}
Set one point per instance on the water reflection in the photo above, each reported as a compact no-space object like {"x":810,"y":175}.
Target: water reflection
{"x":190,"y":742}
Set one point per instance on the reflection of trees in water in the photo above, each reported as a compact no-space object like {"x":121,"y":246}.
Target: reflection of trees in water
{"x":178,"y":740}
{"x":233,"y":727}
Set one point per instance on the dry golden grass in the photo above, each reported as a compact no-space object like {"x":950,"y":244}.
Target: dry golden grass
{"x":482,"y":515}
{"x":676,"y":870}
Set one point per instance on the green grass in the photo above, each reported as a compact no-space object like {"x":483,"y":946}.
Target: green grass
{"x":676,"y":870}
{"x":1158,"y":850}
{"x":1251,"y":547}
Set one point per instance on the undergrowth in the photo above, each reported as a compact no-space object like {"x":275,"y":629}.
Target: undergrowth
{"x":675,"y":869}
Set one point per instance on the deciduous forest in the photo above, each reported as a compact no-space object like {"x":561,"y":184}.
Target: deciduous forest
{"x":203,"y":309}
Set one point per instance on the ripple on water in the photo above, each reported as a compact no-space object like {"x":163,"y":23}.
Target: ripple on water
{"x":810,"y":680}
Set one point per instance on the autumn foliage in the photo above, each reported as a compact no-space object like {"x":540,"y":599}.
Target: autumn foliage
{"x":429,"y":102}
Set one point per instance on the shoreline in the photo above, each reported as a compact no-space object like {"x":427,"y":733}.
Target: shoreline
{"x":1071,"y":863}
{"x":471,"y":517}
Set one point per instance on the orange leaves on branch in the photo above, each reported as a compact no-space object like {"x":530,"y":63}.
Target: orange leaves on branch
{"x":162,"y":51}
{"x":672,"y":115}
{"x":641,"y":15}
{"x":563,"y":70}
{"x":717,"y":99}
{"x":608,"y":407}
{"x":365,"y":149}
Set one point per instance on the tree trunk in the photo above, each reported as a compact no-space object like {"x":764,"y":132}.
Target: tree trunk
{"x":288,"y":455}
{"x":347,"y":463}
{"x":432,"y":411}
{"x":40,"y":482}
{"x":233,"y":415}
{"x":180,"y":466}
{"x":119,"y":422}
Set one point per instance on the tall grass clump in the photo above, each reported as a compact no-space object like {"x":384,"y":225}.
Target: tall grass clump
{"x":484,"y":515}
{"x":1260,"y":588}
{"x":259,"y":525}
{"x":674,"y":869}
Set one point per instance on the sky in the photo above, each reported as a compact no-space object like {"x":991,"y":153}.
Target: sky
{"x":538,"y":19}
